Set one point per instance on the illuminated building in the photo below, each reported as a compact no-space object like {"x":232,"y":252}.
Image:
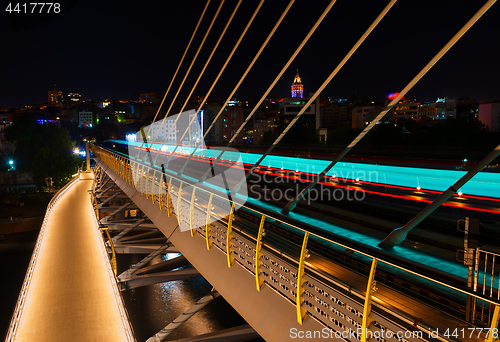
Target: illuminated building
{"x":150,"y":97}
{"x":74,"y":97}
{"x":362,"y":116}
{"x":85,"y":118}
{"x":55,"y":96}
{"x":289,"y":107}
{"x":334,"y":113}
{"x":489,"y":114}
{"x":159,"y":130}
{"x":404,"y":109}
{"x":442,"y":108}
{"x":297,"y":86}
{"x":467,"y":108}
{"x":262,"y":126}
{"x":428,"y":110}
{"x":232,"y":118}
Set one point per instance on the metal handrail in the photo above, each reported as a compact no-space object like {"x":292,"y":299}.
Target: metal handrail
{"x":320,"y":236}
{"x":27,"y":279}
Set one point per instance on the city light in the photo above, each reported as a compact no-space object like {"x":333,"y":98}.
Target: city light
{"x":77,"y":151}
{"x":131,"y":137}
{"x":392,"y":96}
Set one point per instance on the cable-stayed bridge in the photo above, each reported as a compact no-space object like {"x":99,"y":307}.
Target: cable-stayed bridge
{"x":288,"y":266}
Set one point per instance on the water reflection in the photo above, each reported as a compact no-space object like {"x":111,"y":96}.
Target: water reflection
{"x":151,"y":308}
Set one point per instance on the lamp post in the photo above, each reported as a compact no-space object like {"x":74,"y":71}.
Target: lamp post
{"x":87,"y":154}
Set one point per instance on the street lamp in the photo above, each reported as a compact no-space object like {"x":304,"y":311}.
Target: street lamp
{"x":88,"y":141}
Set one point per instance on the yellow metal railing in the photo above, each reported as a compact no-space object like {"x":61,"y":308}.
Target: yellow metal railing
{"x":143,"y":173}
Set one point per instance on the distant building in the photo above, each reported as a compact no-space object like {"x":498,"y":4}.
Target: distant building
{"x":334,"y":113}
{"x":427,"y":110}
{"x":289,"y":107}
{"x":159,"y":131}
{"x":297,"y":86}
{"x":467,"y":108}
{"x":5,"y":120}
{"x":232,"y":119}
{"x":442,"y":108}
{"x":149,"y":97}
{"x":362,"y":116}
{"x":85,"y":118}
{"x":55,"y":96}
{"x":103,"y":103}
{"x":214,"y":136}
{"x":450,"y":106}
{"x":489,"y":114}
{"x":260,"y":126}
{"x":74,"y":97}
{"x":404,"y":109}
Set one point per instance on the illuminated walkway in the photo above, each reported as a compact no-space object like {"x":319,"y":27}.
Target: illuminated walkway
{"x":72,"y":294}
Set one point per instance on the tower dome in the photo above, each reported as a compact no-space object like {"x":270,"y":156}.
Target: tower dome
{"x":297,"y":86}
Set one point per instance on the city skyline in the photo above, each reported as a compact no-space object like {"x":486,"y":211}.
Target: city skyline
{"x":119,"y":52}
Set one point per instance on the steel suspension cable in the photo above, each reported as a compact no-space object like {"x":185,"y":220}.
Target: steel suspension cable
{"x":320,"y":89}
{"x":173,"y":126}
{"x":191,"y":65}
{"x":177,"y":70}
{"x":290,"y":60}
{"x":216,"y":79}
{"x":239,"y":83}
{"x":291,"y":205}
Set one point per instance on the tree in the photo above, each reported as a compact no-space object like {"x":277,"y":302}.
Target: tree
{"x":44,"y":150}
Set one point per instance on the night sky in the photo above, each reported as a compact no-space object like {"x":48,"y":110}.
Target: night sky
{"x":111,"y":49}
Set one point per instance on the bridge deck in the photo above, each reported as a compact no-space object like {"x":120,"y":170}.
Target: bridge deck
{"x":72,"y":295}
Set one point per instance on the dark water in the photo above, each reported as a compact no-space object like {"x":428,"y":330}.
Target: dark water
{"x":13,"y":267}
{"x":150,"y":308}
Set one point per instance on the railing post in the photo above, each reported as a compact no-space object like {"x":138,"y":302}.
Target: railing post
{"x":301,"y":312}
{"x":229,"y":243}
{"x":122,"y":166}
{"x":147,"y":178}
{"x":368,"y":300}
{"x":207,"y":224}
{"x":113,"y":254}
{"x":129,"y":173}
{"x":179,"y":202}
{"x":191,"y":213}
{"x":134,"y":172}
{"x":494,"y":333}
{"x":153,"y":187}
{"x":169,"y":198}
{"x":138,"y":176}
{"x":161,"y":184}
{"x":138,"y":184}
{"x":258,"y":280}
